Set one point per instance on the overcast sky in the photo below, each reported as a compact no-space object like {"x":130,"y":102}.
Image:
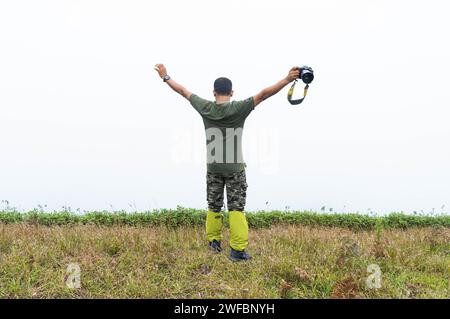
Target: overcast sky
{"x":86,"y":122}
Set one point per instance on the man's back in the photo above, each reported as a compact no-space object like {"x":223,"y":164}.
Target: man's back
{"x":224,"y":125}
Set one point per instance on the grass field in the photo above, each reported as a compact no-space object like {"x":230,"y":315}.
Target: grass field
{"x":163,"y":255}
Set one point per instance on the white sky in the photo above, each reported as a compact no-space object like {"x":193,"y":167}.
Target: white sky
{"x":86,"y":123}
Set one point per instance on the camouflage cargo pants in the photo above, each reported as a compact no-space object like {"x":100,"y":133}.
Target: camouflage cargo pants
{"x":236,"y":187}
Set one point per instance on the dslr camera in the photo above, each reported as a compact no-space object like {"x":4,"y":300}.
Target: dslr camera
{"x":306,"y":74}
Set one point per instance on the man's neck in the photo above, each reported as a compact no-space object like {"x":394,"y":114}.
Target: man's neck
{"x":222,"y":99}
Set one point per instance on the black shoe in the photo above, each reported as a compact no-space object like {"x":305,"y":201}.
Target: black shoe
{"x":215,"y":246}
{"x":236,"y":255}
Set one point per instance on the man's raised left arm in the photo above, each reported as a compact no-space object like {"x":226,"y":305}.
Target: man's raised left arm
{"x":162,"y":71}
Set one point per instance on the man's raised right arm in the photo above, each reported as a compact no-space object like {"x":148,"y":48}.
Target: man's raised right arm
{"x":274,"y":89}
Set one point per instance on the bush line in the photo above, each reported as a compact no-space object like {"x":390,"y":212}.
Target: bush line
{"x":188,"y":216}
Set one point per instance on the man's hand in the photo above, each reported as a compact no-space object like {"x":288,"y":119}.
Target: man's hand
{"x":293,"y":74}
{"x":161,"y":69}
{"x":274,"y":89}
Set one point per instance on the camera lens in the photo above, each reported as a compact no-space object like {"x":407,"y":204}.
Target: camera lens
{"x":307,"y":76}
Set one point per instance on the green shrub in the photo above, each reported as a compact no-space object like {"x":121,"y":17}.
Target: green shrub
{"x":189,"y":216}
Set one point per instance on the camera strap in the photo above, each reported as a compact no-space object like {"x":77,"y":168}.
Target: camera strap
{"x":291,"y":92}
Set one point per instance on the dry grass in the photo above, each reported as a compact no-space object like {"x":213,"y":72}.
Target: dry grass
{"x":159,"y":262}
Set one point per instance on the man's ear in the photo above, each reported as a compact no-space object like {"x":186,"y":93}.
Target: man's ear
{"x":231,"y":93}
{"x":214,"y":93}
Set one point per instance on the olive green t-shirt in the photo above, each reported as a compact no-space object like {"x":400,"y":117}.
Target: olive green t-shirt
{"x":224,"y":125}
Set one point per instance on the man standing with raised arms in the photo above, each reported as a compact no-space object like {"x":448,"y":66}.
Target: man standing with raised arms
{"x":224,"y":122}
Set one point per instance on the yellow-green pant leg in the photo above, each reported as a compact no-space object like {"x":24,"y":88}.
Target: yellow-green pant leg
{"x":238,"y":230}
{"x":214,"y":226}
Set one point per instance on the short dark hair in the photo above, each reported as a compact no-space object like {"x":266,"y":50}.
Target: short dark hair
{"x":223,"y":86}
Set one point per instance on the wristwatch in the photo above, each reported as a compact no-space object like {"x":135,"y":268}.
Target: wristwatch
{"x":166,"y":78}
